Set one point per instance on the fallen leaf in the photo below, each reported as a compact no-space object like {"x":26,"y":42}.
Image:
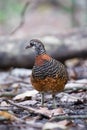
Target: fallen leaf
{"x":27,"y":94}
{"x":3,"y":104}
{"x":28,"y":102}
{"x":57,"y":111}
{"x":51,"y":126}
{"x":45,"y":111}
{"x":65,"y":123}
{"x":6,"y":115}
{"x":68,"y":98}
{"x":72,"y":62}
{"x":50,"y":113}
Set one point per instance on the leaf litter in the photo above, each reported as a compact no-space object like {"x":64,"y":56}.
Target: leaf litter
{"x":20,"y":103}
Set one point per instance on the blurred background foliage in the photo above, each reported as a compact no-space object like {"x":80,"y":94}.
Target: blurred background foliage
{"x":74,"y":10}
{"x":9,"y":8}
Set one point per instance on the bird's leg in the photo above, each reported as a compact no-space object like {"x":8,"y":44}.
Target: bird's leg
{"x":42,"y":99}
{"x":54,"y":100}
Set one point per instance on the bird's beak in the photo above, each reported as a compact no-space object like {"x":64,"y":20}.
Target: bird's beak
{"x":28,"y":46}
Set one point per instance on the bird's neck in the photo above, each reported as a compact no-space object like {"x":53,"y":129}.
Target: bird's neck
{"x":41,"y":51}
{"x":40,"y":59}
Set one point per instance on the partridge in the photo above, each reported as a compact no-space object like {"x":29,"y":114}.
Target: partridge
{"x":48,"y":75}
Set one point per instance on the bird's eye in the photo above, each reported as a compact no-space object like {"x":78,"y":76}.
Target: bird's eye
{"x":39,"y":45}
{"x":31,"y":44}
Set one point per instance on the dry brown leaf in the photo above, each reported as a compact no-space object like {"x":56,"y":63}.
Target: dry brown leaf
{"x":7,"y":115}
{"x":65,"y":123}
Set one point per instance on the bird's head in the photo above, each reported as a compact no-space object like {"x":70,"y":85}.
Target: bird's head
{"x":38,"y":45}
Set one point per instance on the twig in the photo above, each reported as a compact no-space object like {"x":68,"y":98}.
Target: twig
{"x":28,"y":124}
{"x":8,"y":94}
{"x":22,"y":17}
{"x":8,"y":108}
{"x":63,"y":117}
{"x":76,"y":88}
{"x":30,"y":109}
{"x":76,"y":82}
{"x":12,"y":82}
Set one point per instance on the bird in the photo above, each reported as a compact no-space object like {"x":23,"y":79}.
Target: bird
{"x":48,"y":74}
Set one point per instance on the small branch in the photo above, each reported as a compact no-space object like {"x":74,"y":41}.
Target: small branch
{"x":28,"y":124}
{"x":5,"y":108}
{"x":83,"y":88}
{"x":72,"y":117}
{"x":12,"y":82}
{"x":22,"y":17}
{"x":8,"y":94}
{"x":30,"y":109}
{"x":8,"y":108}
{"x":76,"y":82}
